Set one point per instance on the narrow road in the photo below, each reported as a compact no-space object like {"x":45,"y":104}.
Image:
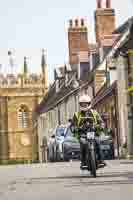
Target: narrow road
{"x":64,"y":181}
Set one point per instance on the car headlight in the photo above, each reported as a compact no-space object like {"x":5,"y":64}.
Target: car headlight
{"x":60,"y":147}
{"x":59,"y":139}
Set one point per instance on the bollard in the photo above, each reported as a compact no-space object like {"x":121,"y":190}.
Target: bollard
{"x":44,"y":150}
{"x":45,"y":154}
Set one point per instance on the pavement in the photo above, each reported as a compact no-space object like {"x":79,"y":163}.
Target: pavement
{"x":65,"y":181}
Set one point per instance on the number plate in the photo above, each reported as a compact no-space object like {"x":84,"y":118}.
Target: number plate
{"x":105,"y":147}
{"x":90,"y":135}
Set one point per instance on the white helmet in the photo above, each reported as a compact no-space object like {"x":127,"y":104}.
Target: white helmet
{"x":86,"y":100}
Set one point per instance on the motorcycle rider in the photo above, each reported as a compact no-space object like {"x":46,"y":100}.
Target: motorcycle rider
{"x":76,"y":122}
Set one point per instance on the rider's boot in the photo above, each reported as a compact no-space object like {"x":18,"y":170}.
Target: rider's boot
{"x":101,"y":163}
{"x":83,"y":165}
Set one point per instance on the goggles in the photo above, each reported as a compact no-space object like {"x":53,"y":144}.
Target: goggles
{"x":84,"y":104}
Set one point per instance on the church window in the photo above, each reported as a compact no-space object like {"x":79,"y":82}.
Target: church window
{"x":23,"y":117}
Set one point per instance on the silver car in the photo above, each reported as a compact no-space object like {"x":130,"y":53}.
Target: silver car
{"x":59,"y":139}
{"x":55,"y":142}
{"x":71,"y":146}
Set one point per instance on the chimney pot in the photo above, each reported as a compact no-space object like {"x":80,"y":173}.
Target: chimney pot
{"x":99,"y":4}
{"x":76,"y":22}
{"x":82,"y":22}
{"x":70,"y":23}
{"x":108,"y":4}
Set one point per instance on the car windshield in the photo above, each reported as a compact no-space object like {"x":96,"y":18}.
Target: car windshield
{"x":69,"y":133}
{"x":60,"y":131}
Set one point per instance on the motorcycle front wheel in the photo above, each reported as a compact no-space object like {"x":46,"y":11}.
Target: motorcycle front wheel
{"x":93,"y":161}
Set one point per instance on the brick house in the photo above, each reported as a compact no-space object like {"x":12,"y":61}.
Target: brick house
{"x":112,"y":97}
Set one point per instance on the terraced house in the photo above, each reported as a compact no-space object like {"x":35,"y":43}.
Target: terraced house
{"x":98,"y":69}
{"x":113,"y":97}
{"x":75,"y":78}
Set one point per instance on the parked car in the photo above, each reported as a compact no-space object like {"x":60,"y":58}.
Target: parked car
{"x":59,"y":139}
{"x":107,"y":147}
{"x":62,"y":145}
{"x":51,"y":147}
{"x":70,"y":147}
{"x":55,"y":143}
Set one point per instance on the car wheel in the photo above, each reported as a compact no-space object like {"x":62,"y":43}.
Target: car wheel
{"x":48,"y":155}
{"x":54,"y":153}
{"x":58,"y":158}
{"x":65,"y":158}
{"x":51,"y":155}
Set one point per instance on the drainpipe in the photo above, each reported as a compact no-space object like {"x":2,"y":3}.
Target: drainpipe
{"x":130,"y":105}
{"x":59,"y":117}
{"x":117,"y":121}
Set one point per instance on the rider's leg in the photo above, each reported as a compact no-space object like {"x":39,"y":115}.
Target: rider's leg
{"x":83,"y":151}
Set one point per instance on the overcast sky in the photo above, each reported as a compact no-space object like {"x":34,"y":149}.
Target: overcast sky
{"x":27,"y":26}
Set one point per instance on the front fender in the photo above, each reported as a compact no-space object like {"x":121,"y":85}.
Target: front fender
{"x":91,"y":144}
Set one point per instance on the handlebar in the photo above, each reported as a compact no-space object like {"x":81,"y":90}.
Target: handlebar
{"x":80,"y":129}
{"x":89,"y":120}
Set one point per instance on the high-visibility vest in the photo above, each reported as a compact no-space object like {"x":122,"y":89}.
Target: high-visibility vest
{"x":94,"y":113}
{"x":79,"y":116}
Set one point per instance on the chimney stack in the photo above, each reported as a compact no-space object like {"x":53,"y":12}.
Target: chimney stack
{"x":77,"y":39}
{"x":104,"y":20}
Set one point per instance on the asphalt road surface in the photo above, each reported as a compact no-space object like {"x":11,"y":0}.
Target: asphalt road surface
{"x":65,"y":181}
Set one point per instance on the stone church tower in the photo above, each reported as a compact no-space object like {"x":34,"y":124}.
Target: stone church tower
{"x":19,"y":96}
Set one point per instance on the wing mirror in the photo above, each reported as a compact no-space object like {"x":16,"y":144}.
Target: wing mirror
{"x":53,"y":136}
{"x":110,"y":132}
{"x":70,"y":120}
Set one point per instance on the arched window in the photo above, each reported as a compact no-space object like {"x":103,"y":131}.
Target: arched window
{"x":23,"y":117}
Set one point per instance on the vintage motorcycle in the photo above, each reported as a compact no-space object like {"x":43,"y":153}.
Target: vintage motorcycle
{"x":88,"y":133}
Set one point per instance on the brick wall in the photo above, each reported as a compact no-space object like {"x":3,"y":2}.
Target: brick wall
{"x":104,"y":23}
{"x":99,"y":79}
